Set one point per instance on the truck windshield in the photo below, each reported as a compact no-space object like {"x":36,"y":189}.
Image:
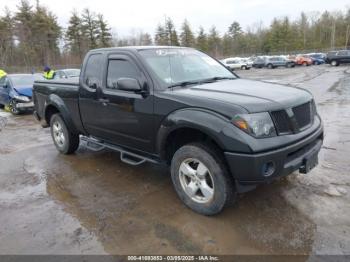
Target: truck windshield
{"x":182,"y":65}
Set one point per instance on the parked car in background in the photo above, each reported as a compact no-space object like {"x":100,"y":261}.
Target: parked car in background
{"x":302,"y":60}
{"x":249,"y":61}
{"x":67,"y":73}
{"x":338,"y":57}
{"x":235,"y":63}
{"x":259,"y":62}
{"x":16,"y":92}
{"x":317,"y":58}
{"x":277,"y":61}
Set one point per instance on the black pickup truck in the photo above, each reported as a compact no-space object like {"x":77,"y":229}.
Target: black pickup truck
{"x":221,"y":135}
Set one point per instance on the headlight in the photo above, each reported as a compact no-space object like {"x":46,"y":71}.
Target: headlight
{"x":22,"y":98}
{"x":258,"y":125}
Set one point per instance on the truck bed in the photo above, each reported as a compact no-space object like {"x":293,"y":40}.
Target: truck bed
{"x":65,"y":92}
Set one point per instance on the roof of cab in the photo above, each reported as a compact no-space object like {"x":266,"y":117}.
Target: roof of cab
{"x":136,"y":48}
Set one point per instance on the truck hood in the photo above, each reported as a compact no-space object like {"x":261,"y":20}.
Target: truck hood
{"x":254,"y":96}
{"x":24,"y":90}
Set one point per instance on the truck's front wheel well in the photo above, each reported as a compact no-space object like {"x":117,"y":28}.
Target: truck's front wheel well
{"x":183,"y":136}
{"x":49,"y":112}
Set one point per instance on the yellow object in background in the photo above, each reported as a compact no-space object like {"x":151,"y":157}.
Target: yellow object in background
{"x":7,"y":108}
{"x":2,"y":73}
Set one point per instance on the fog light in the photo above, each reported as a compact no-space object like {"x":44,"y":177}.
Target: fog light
{"x":268,"y":169}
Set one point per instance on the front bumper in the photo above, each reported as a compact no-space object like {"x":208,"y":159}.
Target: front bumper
{"x":24,"y":105}
{"x":249,"y":170}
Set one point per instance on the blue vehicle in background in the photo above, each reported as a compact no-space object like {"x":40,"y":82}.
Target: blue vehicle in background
{"x":317,"y":58}
{"x":16,"y":92}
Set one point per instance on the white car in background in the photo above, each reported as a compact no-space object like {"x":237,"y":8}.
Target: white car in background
{"x":236,"y":63}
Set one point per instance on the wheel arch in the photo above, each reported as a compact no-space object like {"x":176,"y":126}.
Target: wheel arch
{"x":179,"y":128}
{"x":55,"y":105}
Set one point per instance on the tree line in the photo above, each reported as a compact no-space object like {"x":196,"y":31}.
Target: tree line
{"x":32,"y":36}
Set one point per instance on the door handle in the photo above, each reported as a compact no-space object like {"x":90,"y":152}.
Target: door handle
{"x":104,"y":101}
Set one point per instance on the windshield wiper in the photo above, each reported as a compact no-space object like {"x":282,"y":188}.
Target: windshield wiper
{"x":216,"y":78}
{"x":199,"y":82}
{"x":184,"y":83}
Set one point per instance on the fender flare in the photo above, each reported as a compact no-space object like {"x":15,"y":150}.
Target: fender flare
{"x":212,"y":124}
{"x":57,"y":102}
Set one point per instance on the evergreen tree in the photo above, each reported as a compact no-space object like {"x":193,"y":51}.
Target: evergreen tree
{"x":46,"y":33}
{"x":235,"y":30}
{"x":23,"y":26}
{"x":6,"y":38}
{"x":214,"y":42}
{"x":90,"y":28}
{"x":186,"y":37}
{"x":161,"y":37}
{"x":75,"y":35}
{"x":104,"y":35}
{"x":171,"y":33}
{"x":202,"y":40}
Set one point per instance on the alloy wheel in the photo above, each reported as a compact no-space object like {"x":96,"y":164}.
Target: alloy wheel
{"x":196,"y":180}
{"x":58,"y":134}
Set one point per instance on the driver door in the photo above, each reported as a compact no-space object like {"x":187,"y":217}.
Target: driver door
{"x":121,"y":117}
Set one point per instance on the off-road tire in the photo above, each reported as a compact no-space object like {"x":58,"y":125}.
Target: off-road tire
{"x":71,"y":142}
{"x":223,"y":183}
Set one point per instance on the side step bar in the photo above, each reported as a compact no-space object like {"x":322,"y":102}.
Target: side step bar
{"x":125,"y":156}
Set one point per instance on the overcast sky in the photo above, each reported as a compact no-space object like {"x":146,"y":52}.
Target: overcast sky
{"x":127,"y":15}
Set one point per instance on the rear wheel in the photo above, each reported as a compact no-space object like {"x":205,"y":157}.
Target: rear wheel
{"x":65,"y":141}
{"x":304,"y":64}
{"x":243,"y":67}
{"x":270,"y":66}
{"x":334,"y":63}
{"x":201,"y":179}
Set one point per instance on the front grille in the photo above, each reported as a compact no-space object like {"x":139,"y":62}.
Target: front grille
{"x":282,"y":122}
{"x":303,"y":118}
{"x":302,"y":115}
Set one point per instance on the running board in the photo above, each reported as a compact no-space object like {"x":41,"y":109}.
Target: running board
{"x":125,"y":156}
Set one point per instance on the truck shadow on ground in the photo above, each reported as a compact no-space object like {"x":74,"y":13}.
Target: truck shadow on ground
{"x":135,"y":210}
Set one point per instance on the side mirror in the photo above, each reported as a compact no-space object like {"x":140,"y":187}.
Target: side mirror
{"x":128,"y":84}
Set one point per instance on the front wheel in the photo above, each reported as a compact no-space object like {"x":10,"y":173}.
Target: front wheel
{"x":270,"y":66}
{"x":201,"y":179}
{"x":65,"y":141}
{"x":13,"y":107}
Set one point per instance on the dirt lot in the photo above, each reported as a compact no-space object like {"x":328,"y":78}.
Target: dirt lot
{"x":91,"y":203}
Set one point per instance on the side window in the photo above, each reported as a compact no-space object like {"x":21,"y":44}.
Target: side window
{"x":343,"y":53}
{"x":118,"y":68}
{"x":93,"y":70}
